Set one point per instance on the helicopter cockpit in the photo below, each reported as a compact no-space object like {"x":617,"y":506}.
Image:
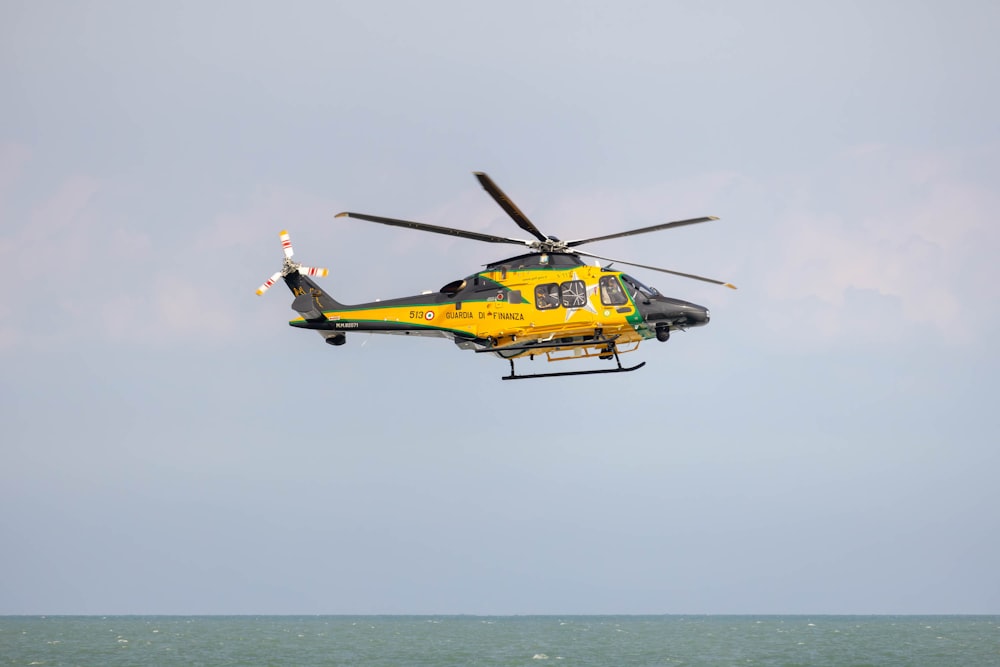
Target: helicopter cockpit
{"x":637,"y":290}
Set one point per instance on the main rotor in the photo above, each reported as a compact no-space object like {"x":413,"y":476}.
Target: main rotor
{"x":541,"y":243}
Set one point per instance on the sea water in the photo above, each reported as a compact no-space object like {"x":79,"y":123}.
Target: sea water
{"x":209,"y":641}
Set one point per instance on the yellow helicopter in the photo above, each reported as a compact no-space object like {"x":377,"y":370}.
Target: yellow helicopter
{"x":545,"y":303}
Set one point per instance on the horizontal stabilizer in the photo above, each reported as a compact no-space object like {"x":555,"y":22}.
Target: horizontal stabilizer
{"x":306,"y":306}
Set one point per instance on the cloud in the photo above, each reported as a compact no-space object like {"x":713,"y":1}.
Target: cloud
{"x":53,"y":235}
{"x":174,"y":309}
{"x":45,"y":246}
{"x":13,"y":159}
{"x":204,"y":290}
{"x":81,"y":265}
{"x":908,"y":229}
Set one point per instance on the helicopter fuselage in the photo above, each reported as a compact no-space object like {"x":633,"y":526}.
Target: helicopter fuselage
{"x":538,"y":303}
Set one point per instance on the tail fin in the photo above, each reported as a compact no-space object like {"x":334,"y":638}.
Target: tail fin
{"x":310,"y":299}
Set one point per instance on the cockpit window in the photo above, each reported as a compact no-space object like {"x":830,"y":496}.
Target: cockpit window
{"x":611,"y":292}
{"x":636,"y":286}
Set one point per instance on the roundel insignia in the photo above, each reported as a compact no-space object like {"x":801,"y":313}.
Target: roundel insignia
{"x":429,"y":315}
{"x":499,"y":296}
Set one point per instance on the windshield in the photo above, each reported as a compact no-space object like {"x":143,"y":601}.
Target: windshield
{"x":636,"y":286}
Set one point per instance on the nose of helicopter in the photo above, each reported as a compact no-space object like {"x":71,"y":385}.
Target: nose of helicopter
{"x":696,"y":315}
{"x":675,"y":311}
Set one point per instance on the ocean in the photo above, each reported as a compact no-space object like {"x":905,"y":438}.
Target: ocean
{"x":439,"y":641}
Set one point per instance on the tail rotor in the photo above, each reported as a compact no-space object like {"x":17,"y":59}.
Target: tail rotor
{"x":290,"y":266}
{"x":270,"y":281}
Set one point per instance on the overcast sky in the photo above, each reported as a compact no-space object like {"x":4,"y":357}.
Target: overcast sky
{"x":828,"y":444}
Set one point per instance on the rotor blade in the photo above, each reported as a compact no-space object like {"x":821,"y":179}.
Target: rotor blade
{"x":424,"y":227}
{"x":286,"y":244}
{"x":267,"y":285}
{"x":656,"y":268}
{"x":309,"y":271}
{"x":507,"y":205}
{"x":643,"y":230}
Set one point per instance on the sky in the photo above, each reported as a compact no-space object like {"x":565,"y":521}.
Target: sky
{"x":826,"y":445}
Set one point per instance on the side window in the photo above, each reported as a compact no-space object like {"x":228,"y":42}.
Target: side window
{"x":612,"y":293}
{"x":547,"y":296}
{"x":574,"y":294}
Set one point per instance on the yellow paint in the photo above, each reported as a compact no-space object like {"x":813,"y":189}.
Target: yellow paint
{"x":506,"y":323}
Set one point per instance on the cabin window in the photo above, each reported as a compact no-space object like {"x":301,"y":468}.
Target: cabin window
{"x":547,"y":296}
{"x":612,"y":293}
{"x":574,"y":294}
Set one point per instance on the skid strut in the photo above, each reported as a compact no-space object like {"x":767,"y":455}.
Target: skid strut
{"x":611,"y":348}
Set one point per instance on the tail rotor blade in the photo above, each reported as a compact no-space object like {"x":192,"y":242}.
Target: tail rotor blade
{"x":310,"y":271}
{"x":286,"y":244}
{"x":267,"y":285}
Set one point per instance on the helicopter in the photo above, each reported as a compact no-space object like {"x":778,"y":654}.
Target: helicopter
{"x":546,"y":303}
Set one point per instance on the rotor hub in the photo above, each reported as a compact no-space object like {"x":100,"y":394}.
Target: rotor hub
{"x":551,"y":244}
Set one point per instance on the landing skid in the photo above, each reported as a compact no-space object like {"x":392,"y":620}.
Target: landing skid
{"x":620,"y":369}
